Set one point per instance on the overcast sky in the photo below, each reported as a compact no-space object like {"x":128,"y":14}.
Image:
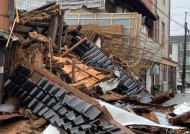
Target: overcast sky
{"x":178,"y":9}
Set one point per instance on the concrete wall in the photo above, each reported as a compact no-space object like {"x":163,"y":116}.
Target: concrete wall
{"x":165,"y":8}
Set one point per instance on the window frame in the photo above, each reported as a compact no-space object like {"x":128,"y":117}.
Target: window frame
{"x":188,"y":44}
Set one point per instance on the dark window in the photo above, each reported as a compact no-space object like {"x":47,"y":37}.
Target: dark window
{"x":187,"y":46}
{"x":163,"y":33}
{"x":170,"y":48}
{"x":157,"y":29}
{"x":164,"y":71}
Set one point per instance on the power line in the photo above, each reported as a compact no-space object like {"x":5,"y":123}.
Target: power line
{"x":175,"y":29}
{"x":166,"y":14}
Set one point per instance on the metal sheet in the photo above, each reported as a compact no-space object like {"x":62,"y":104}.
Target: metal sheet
{"x":179,"y":98}
{"x":182,"y":108}
{"x":162,"y":118}
{"x":128,"y":119}
{"x":8,"y":108}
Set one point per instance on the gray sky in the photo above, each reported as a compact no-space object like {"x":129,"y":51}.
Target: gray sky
{"x":178,"y":9}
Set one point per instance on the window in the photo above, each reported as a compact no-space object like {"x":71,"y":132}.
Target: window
{"x":157,"y":29}
{"x":163,"y":33}
{"x":164,"y":70}
{"x":187,"y":60}
{"x":187,"y":46}
{"x":170,"y":48}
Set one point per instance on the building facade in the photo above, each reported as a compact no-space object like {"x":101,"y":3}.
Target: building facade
{"x":176,"y":51}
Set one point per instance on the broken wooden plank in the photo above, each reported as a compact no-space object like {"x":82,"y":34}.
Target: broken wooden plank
{"x":39,"y":37}
{"x":73,"y":70}
{"x":53,"y":27}
{"x":180,"y":119}
{"x":59,"y":40}
{"x":51,"y":53}
{"x":10,"y":34}
{"x":37,"y":24}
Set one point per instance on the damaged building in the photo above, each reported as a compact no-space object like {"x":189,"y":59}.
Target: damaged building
{"x":89,"y":67}
{"x":149,"y":26}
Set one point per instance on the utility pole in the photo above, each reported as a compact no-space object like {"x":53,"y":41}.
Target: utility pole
{"x":184,"y":57}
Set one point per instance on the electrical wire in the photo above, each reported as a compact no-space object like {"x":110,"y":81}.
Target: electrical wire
{"x":166,"y":14}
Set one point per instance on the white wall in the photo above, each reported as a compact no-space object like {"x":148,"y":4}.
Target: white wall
{"x":174,"y":56}
{"x":165,"y":8}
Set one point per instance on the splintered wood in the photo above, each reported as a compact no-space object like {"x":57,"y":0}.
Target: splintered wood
{"x":84,"y":75}
{"x":40,"y":15}
{"x":32,"y":32}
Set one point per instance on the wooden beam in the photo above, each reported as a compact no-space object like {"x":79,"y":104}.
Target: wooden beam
{"x":7,"y":44}
{"x":37,"y":24}
{"x":51,"y":53}
{"x":73,"y":47}
{"x":73,"y":70}
{"x":52,"y":31}
{"x":59,"y":40}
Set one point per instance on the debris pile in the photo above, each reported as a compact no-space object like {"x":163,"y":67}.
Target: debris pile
{"x":61,"y":77}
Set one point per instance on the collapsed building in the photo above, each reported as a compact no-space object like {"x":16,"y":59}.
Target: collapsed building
{"x":82,"y":78}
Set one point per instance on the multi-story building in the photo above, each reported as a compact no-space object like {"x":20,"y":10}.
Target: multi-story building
{"x":176,"y":51}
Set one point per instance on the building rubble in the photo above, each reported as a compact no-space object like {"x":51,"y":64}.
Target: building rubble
{"x":63,"y":82}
